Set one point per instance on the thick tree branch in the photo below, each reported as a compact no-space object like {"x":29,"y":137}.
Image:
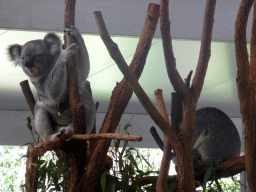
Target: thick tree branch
{"x":31,"y":171}
{"x":246,"y":92}
{"x":121,"y":96}
{"x":77,"y":110}
{"x":205,"y":49}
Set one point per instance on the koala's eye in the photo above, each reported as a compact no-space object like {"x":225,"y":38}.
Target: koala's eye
{"x":207,"y":132}
{"x":22,"y":58}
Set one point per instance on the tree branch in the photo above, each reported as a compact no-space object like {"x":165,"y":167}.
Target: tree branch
{"x":31,"y":171}
{"x":165,"y":164}
{"x":245,"y":90}
{"x":28,"y":95}
{"x":205,"y":49}
{"x":170,"y":61}
{"x":121,"y":96}
{"x":106,"y":136}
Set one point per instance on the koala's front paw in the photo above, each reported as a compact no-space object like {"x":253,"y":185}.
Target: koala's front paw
{"x":71,"y":50}
{"x":72,"y":31}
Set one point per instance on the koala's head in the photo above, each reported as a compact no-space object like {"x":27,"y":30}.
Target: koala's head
{"x":36,"y":57}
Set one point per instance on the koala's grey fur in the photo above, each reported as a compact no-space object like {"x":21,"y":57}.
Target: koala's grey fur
{"x":216,"y":138}
{"x":44,"y":62}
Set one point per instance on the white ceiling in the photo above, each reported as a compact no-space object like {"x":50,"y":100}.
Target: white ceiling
{"x":124,"y":20}
{"x":123,"y":17}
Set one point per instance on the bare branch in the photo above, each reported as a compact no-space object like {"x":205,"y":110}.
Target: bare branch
{"x":107,"y":136}
{"x":170,"y":61}
{"x":187,"y":80}
{"x":205,"y":49}
{"x":165,"y":164}
{"x":28,"y":95}
{"x":157,"y":138}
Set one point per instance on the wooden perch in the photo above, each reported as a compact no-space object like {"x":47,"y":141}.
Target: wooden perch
{"x":246,"y":91}
{"x":120,"y":97}
{"x":49,"y":145}
{"x":107,"y":136}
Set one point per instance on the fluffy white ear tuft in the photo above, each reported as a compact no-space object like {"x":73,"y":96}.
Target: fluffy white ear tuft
{"x":14,"y":53}
{"x":53,"y":43}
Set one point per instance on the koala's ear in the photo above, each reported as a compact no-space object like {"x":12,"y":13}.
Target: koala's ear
{"x":53,"y":43}
{"x":14,"y":53}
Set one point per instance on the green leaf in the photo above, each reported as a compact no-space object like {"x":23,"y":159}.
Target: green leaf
{"x":127,"y":126}
{"x":29,"y":144}
{"x":103,"y":180}
{"x":131,"y":158}
{"x":137,"y":187}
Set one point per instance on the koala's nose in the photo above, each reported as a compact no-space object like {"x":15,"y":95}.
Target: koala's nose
{"x":29,"y":60}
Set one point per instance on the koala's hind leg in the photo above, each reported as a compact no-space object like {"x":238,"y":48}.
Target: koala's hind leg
{"x":83,"y":63}
{"x":43,"y":123}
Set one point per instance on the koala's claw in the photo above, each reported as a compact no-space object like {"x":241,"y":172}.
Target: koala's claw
{"x":74,"y":32}
{"x":62,"y":132}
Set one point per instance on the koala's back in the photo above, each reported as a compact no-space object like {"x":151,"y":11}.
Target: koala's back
{"x":222,"y":139}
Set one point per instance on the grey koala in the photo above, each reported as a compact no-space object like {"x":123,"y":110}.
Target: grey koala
{"x":216,"y":138}
{"x":45,"y":63}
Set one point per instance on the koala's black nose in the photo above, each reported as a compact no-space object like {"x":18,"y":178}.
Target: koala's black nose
{"x":29,"y":61}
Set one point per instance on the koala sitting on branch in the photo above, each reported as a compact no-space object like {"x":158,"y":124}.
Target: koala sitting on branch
{"x":45,"y":63}
{"x":216,"y":138}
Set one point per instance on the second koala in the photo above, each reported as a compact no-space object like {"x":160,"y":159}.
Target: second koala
{"x":216,"y":138}
{"x":45,"y":63}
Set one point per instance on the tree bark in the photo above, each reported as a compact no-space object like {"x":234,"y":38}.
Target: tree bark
{"x":31,"y":171}
{"x":246,"y":91}
{"x":165,"y":164}
{"x":77,"y":110}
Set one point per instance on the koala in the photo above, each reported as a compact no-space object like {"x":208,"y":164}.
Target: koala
{"x":45,"y":63}
{"x":216,"y":138}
